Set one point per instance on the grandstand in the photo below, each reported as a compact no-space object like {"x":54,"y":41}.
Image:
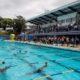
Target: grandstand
{"x":62,"y":24}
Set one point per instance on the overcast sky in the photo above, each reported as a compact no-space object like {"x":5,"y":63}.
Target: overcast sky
{"x":28,"y":8}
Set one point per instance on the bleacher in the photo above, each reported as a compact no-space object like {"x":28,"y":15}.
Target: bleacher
{"x":63,"y":21}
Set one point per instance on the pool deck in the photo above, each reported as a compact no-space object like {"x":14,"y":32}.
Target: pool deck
{"x":48,"y":45}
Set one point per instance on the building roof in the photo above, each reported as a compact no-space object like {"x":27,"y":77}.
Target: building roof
{"x":52,"y":15}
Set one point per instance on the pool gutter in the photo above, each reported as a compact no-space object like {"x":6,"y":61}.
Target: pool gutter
{"x":48,"y":45}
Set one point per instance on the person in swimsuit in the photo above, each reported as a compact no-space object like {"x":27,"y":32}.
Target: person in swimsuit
{"x":39,"y":70}
{"x":2,"y":62}
{"x":5,"y":68}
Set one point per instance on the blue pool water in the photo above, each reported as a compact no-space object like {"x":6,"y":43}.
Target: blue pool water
{"x":25,"y":58}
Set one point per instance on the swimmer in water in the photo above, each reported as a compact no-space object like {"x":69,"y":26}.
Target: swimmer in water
{"x":39,"y":70}
{"x":4,"y":69}
{"x":2,"y":62}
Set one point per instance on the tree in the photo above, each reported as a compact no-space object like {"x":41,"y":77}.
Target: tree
{"x":1,"y":21}
{"x":6,"y":22}
{"x":19,"y":24}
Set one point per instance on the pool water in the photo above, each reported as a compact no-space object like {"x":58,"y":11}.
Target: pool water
{"x":26,"y":58}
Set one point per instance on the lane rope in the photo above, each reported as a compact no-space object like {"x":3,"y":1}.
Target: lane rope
{"x":64,"y":72}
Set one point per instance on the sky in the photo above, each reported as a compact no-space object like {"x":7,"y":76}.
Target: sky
{"x":29,"y":8}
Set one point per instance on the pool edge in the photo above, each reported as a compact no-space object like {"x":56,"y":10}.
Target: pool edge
{"x":47,"y":45}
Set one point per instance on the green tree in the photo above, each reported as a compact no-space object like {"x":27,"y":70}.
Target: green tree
{"x":19,"y":24}
{"x":1,"y":21}
{"x":6,"y":22}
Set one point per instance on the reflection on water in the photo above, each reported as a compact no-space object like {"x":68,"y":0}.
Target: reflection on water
{"x":3,"y":76}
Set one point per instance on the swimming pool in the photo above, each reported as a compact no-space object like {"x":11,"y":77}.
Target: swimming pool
{"x":62,"y":64}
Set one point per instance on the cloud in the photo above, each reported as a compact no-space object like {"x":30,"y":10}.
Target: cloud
{"x":28,"y":8}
